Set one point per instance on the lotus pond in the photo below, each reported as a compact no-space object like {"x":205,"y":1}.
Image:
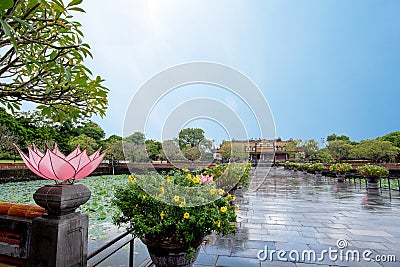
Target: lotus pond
{"x":98,"y":208}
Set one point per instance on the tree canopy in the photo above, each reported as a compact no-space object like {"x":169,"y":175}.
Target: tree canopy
{"x":190,"y":137}
{"x":375,"y":150}
{"x":42,"y":60}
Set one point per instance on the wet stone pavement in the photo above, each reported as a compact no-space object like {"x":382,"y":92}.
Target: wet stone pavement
{"x":298,"y":219}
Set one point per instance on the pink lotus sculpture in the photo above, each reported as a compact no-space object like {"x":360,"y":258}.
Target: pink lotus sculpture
{"x":54,"y":165}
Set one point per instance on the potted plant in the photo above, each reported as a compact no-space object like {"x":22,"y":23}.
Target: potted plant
{"x":304,"y":167}
{"x":340,"y":169}
{"x":372,"y":173}
{"x":172,"y":214}
{"x":317,"y":168}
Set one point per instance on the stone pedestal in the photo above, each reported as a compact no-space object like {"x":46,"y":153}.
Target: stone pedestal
{"x":60,"y":238}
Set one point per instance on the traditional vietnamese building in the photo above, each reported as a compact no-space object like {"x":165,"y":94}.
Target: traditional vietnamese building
{"x":262,"y":149}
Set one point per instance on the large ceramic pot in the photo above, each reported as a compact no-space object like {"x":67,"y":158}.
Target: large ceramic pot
{"x":340,"y":177}
{"x":167,"y":254}
{"x":372,"y":182}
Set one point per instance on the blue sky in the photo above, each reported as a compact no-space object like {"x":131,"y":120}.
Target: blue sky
{"x":323,"y":66}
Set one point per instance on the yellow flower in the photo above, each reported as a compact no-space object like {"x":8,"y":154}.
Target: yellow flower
{"x":168,"y":178}
{"x":176,"y":198}
{"x":206,"y":169}
{"x":221,"y":192}
{"x":233,"y":198}
{"x":182,"y":204}
{"x":132,"y":179}
{"x":212,"y":191}
{"x":162,"y":214}
{"x":196,"y":180}
{"x":223,"y":209}
{"x":237,"y":208}
{"x":186,"y":215}
{"x":189,"y":176}
{"x":144,"y":197}
{"x":159,"y":195}
{"x":218,"y":224}
{"x":162,"y":189}
{"x":185,"y":170}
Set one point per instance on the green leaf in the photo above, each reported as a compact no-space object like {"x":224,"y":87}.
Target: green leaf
{"x":77,"y":9}
{"x":74,"y":3}
{"x":6,"y":27}
{"x":6,"y":4}
{"x":21,"y":22}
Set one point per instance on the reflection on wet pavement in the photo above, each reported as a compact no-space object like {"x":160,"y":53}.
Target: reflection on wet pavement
{"x":296,"y":212}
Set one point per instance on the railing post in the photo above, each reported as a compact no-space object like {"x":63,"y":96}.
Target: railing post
{"x":60,"y":238}
{"x":131,"y":252}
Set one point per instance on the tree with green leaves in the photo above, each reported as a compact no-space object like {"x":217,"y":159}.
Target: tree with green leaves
{"x":234,"y":151}
{"x":334,"y":137}
{"x":191,"y":137}
{"x":339,"y":149}
{"x":42,"y":60}
{"x":393,"y":137}
{"x":323,"y":156}
{"x":171,"y":151}
{"x":136,"y":138}
{"x":375,"y":150}
{"x":153,"y":149}
{"x":83,"y":141}
{"x":92,"y":130}
{"x":302,"y":149}
{"x":7,"y":139}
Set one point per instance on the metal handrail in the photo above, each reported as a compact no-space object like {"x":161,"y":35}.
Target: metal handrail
{"x":130,"y":240}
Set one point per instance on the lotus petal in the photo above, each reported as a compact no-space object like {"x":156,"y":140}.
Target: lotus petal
{"x":79,"y":161}
{"x":74,"y":153}
{"x":90,"y":167}
{"x":28,"y":163}
{"x":56,"y":168}
{"x":95,"y":154}
{"x":57,"y":151}
{"x":37,"y":150}
{"x":34,"y":158}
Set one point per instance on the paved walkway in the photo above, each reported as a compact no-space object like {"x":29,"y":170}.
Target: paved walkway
{"x":301,"y":214}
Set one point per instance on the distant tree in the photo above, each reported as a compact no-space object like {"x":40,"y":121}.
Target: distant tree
{"x":116,"y":151}
{"x":153,"y":149}
{"x":136,"y":138}
{"x":375,"y":150}
{"x":191,"y":153}
{"x":234,"y":151}
{"x":334,"y":137}
{"x":205,"y":148}
{"x":191,"y":137}
{"x":92,"y":130}
{"x":302,"y":149}
{"x":42,"y":60}
{"x":393,"y":137}
{"x":310,"y":148}
{"x":113,"y":138}
{"x":339,"y":149}
{"x":7,"y":139}
{"x":134,"y":152}
{"x":84,"y":141}
{"x":323,"y":156}
{"x":171,"y":151}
